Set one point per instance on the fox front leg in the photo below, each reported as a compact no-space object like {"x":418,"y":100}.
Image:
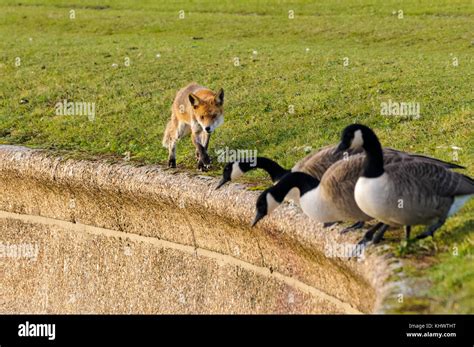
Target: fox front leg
{"x":205,"y":137}
{"x":204,"y":140}
{"x":197,"y":155}
{"x":204,"y":160}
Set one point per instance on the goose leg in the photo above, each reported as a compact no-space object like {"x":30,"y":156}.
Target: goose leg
{"x":370,"y":233}
{"x":379,"y":234}
{"x":431,"y":229}
{"x":357,"y":225}
{"x":407,"y":232}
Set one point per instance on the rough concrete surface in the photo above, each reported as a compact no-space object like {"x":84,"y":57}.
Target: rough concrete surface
{"x":114,"y":238}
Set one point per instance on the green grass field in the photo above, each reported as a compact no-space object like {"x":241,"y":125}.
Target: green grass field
{"x":334,"y":63}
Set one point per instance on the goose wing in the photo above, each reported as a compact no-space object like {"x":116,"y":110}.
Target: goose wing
{"x":316,"y":163}
{"x":429,"y":179}
{"x":395,"y":155}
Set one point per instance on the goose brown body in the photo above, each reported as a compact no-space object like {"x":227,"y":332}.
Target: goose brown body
{"x":318,"y":162}
{"x":338,"y":184}
{"x":411,"y":193}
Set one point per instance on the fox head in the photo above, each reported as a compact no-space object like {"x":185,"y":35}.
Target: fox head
{"x":208,"y":109}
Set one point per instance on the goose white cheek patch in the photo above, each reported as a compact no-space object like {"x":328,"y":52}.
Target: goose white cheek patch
{"x":271,"y":203}
{"x":293,"y":194}
{"x":358,"y":140}
{"x":236,"y":171}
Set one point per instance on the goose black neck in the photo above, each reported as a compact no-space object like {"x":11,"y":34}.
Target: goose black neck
{"x":373,"y":166}
{"x":300,"y":180}
{"x":275,"y":171}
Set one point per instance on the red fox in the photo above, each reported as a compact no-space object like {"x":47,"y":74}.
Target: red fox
{"x":196,"y":110}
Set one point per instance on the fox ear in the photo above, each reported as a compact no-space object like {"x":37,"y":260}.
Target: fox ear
{"x":220,"y":97}
{"x":194,"y":100}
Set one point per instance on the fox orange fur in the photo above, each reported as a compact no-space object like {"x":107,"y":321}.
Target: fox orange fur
{"x":196,"y":110}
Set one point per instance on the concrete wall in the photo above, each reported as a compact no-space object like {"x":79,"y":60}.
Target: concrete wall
{"x":113,"y":238}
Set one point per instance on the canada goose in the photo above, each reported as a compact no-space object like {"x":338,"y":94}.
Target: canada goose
{"x":314,"y":164}
{"x":315,"y":200}
{"x":234,"y":170}
{"x":330,"y":199}
{"x":403,"y":193}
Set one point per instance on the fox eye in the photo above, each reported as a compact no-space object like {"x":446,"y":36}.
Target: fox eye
{"x":202,"y":117}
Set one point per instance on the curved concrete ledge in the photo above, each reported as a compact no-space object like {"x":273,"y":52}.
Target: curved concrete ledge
{"x":114,"y":238}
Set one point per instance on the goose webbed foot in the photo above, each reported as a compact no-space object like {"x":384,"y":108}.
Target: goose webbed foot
{"x":359,"y":248}
{"x":379,"y":234}
{"x":431,"y":230}
{"x":355,"y":226}
{"x":327,"y":225}
{"x":370,"y":233}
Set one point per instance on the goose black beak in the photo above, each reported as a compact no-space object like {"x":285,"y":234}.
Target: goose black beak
{"x":222,"y":182}
{"x":258,"y":216}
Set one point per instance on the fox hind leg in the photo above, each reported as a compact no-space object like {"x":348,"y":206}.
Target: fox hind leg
{"x":169,"y":142}
{"x":174,"y":131}
{"x":172,"y":154}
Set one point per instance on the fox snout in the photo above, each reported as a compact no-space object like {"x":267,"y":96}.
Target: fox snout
{"x":209,"y":124}
{"x":208,"y":128}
